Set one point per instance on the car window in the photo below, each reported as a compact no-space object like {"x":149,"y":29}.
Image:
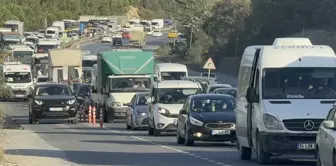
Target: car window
{"x":213,"y":105}
{"x":330,"y":115}
{"x":53,"y":90}
{"x":142,"y":100}
{"x":84,"y":89}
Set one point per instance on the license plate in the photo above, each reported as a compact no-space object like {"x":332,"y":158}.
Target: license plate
{"x":306,"y":146}
{"x":56,"y":109}
{"x":19,"y":95}
{"x":122,"y":114}
{"x":221,"y":132}
{"x":175,"y":122}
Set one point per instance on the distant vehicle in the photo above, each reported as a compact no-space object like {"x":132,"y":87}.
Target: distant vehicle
{"x":107,"y":39}
{"x":213,"y":76}
{"x":173,"y":34}
{"x":126,"y":35}
{"x":212,"y":87}
{"x":149,"y":31}
{"x":157,"y":33}
{"x":41,"y":79}
{"x":137,"y":116}
{"x":52,"y":101}
{"x":170,"y":71}
{"x":83,"y":94}
{"x":228,"y":91}
{"x":207,"y":117}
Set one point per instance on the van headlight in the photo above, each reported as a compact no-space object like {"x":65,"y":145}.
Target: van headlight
{"x":271,"y":122}
{"x":195,"y":121}
{"x":38,"y":102}
{"x":71,"y":101}
{"x":116,"y":104}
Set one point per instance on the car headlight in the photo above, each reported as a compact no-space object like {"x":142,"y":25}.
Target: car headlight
{"x":140,"y":113}
{"x":163,"y":111}
{"x":195,"y":121}
{"x":71,"y":101}
{"x":116,"y":104}
{"x":38,"y":102}
{"x":271,"y":122}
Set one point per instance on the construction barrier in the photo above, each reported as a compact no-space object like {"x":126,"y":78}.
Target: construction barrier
{"x":94,"y":115}
{"x":101,"y":117}
{"x":91,"y":117}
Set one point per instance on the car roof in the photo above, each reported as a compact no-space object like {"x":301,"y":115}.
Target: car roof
{"x":219,"y":85}
{"x":225,"y":89}
{"x":50,"y":84}
{"x":177,"y":84}
{"x":211,"y":96}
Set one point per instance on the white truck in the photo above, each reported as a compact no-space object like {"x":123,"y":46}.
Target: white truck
{"x":12,"y":38}
{"x":157,"y":23}
{"x":15,"y":26}
{"x":59,"y":24}
{"x":5,"y":30}
{"x":52,"y":32}
{"x":22,"y":54}
{"x":59,"y":58}
{"x":18,"y":79}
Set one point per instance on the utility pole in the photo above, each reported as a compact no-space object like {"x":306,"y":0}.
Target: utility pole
{"x":191,"y":36}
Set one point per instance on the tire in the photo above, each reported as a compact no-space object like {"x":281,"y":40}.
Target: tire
{"x":150,"y":130}
{"x":244,"y":152}
{"x":156,"y":132}
{"x":32,"y":119}
{"x":128,"y":127}
{"x":188,"y":141}
{"x":263,"y":158}
{"x":180,"y":140}
{"x":132,"y":124}
{"x":106,"y":116}
{"x":318,"y":158}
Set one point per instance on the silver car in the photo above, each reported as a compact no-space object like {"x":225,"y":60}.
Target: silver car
{"x":137,"y":116}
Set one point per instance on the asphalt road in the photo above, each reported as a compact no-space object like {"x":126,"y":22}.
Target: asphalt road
{"x":85,"y":144}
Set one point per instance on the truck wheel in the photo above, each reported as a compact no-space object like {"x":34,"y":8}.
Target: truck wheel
{"x":106,"y":115}
{"x":263,"y":158}
{"x":244,"y":152}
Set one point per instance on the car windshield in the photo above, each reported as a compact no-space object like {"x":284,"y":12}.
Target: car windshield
{"x":33,"y":40}
{"x":84,"y":89}
{"x":18,"y":77}
{"x":232,"y":92}
{"x":299,"y":83}
{"x":142,"y":100}
{"x":175,"y":95}
{"x":88,"y":63}
{"x":213,"y":87}
{"x":42,"y":79}
{"x":75,"y":85}
{"x":23,"y":56}
{"x":172,"y":75}
{"x":132,"y":84}
{"x":213,"y":105}
{"x":51,"y":90}
{"x":156,"y":31}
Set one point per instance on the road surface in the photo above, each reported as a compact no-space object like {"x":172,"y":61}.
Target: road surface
{"x":84,"y":144}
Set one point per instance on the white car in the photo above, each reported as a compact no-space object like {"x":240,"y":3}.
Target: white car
{"x":326,"y":140}
{"x":107,"y":39}
{"x":166,"y":102}
{"x":157,"y":34}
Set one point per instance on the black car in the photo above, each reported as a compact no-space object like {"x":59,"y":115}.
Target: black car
{"x":117,"y":41}
{"x":207,"y":117}
{"x":52,"y":101}
{"x":228,"y":91}
{"x":83,"y":95}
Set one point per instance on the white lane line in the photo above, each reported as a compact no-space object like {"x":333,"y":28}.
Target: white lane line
{"x":164,"y":146}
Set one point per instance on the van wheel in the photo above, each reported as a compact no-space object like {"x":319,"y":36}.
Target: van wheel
{"x":262,"y":157}
{"x":188,"y":141}
{"x":106,"y":116}
{"x":318,"y":159}
{"x":244,"y":152}
{"x":150,"y":130}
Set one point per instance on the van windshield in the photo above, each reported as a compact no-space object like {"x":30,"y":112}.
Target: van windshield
{"x":175,"y":95}
{"x":172,"y":75}
{"x":18,"y":77}
{"x":299,"y":83}
{"x":131,"y":84}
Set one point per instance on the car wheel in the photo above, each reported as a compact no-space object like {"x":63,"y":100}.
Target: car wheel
{"x":150,"y":130}
{"x":334,"y":157}
{"x":263,"y":158}
{"x":244,"y":152}
{"x":179,"y":139}
{"x":156,"y":131}
{"x":75,"y":119}
{"x":187,"y":141}
{"x":318,"y":158}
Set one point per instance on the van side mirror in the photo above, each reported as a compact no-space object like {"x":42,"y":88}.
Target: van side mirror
{"x":30,"y":96}
{"x":183,"y":112}
{"x":251,"y":95}
{"x":93,"y":90}
{"x":328,"y":124}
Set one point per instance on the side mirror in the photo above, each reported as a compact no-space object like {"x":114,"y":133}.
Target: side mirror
{"x":30,"y":96}
{"x":328,"y":124}
{"x":251,"y":95}
{"x":155,"y":78}
{"x":128,"y":105}
{"x":149,"y":100}
{"x":183,"y":112}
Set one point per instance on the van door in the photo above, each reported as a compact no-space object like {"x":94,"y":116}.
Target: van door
{"x":252,"y":83}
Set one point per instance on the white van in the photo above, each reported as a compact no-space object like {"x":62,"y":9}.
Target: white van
{"x":170,"y":71}
{"x":283,"y":95}
{"x":167,"y":99}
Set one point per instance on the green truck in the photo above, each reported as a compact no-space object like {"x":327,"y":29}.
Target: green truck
{"x":120,"y":74}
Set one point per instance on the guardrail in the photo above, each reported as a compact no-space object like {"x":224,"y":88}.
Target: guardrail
{"x":75,"y":43}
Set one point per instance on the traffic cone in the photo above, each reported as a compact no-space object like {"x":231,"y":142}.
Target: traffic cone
{"x":94,"y":115}
{"x":101,"y":117}
{"x":90,"y":110}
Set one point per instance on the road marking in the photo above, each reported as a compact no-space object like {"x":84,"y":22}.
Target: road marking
{"x":164,"y":146}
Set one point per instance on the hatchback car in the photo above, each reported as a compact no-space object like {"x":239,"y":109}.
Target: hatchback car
{"x":207,"y":117}
{"x":52,"y":101}
{"x":212,"y":87}
{"x":137,"y":116}
{"x":157,"y":33}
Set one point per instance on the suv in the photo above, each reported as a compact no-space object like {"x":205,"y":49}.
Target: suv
{"x":167,"y":99}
